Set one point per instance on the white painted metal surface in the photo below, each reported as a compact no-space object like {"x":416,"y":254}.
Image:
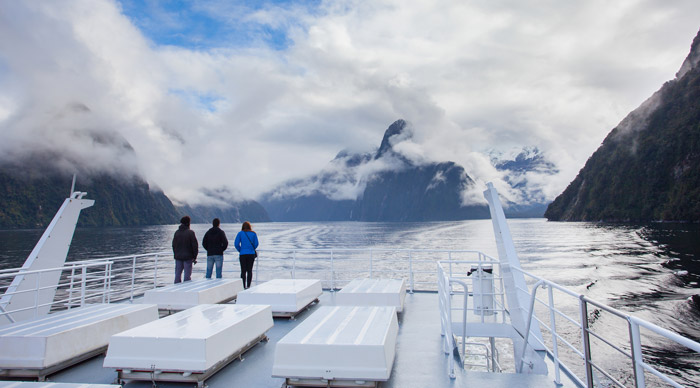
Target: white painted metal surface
{"x":373,"y":292}
{"x":184,"y":295}
{"x":23,"y":384}
{"x":285,"y":296}
{"x":193,"y":340}
{"x":50,"y":252}
{"x":59,"y":337}
{"x":514,"y":281}
{"x":340,"y":343}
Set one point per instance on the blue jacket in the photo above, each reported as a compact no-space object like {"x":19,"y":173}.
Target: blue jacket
{"x":242,"y":243}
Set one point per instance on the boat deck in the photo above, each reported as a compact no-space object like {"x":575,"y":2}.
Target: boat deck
{"x":420,"y":361}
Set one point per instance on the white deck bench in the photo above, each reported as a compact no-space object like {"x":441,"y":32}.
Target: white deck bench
{"x":184,"y":295}
{"x":39,"y":347}
{"x":188,"y":346}
{"x":337,"y":345}
{"x":287,"y":297}
{"x":373,"y":292}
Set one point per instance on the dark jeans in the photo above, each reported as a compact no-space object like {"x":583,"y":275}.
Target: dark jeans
{"x":181,"y":265}
{"x":247,"y":262}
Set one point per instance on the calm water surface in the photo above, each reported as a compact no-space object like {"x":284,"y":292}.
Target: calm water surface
{"x":651,"y":270}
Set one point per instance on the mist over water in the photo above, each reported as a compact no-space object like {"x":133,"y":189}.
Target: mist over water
{"x":651,"y":271}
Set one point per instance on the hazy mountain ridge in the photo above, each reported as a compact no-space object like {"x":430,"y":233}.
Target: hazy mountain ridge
{"x":34,"y":185}
{"x":517,"y":169}
{"x":648,"y":167}
{"x":386,"y":186}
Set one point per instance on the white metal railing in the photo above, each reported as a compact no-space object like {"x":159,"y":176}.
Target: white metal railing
{"x":92,"y":283}
{"x":454,"y":281}
{"x":105,"y":280}
{"x":630,"y":347}
{"x":575,"y":338}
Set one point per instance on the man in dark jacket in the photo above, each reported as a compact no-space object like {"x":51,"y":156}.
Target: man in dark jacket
{"x":185,"y":249}
{"x":215,"y":242}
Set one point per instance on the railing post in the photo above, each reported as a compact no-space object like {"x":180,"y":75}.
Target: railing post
{"x":155,"y":273}
{"x":83,"y":282}
{"x":70,"y":288}
{"x":410,"y":269}
{"x":256,"y":267}
{"x":133,"y":277}
{"x":109,"y":282}
{"x":637,"y":360}
{"x":586,"y":341}
{"x":371,"y":261}
{"x":553,"y":325}
{"x":36,"y":295}
{"x":332,"y":273}
{"x":294,"y":264}
{"x":104,"y":283}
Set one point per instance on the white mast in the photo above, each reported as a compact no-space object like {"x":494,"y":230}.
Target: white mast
{"x":50,"y":252}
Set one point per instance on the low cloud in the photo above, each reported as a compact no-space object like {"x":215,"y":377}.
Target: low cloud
{"x":277,"y":98}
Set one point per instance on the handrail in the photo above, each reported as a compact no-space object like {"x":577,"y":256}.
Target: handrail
{"x":118,"y":280}
{"x":635,"y":354}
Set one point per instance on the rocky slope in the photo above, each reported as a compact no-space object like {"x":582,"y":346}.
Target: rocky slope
{"x":648,"y":167}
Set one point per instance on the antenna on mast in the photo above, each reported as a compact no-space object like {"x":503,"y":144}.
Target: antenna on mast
{"x":72,"y":187}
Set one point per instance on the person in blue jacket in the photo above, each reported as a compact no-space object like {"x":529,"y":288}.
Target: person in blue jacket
{"x":246,"y":244}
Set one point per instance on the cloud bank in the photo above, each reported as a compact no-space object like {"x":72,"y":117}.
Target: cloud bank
{"x":274,"y":91}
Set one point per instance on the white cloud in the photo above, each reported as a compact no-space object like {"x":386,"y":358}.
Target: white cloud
{"x":470,"y":76}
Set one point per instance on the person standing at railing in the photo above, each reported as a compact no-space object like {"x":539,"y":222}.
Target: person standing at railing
{"x":246,"y":244}
{"x":215,"y":242}
{"x":185,"y":249}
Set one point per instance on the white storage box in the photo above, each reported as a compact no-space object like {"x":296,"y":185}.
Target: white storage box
{"x":287,"y":297}
{"x":373,"y":292}
{"x":45,"y":345}
{"x":193,"y":340}
{"x":340,"y":343}
{"x":184,"y":295}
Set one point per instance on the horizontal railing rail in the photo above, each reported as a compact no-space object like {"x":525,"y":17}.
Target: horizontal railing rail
{"x":631,"y":347}
{"x":110,"y":279}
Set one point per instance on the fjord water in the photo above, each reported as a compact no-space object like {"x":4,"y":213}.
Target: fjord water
{"x":649,"y":270}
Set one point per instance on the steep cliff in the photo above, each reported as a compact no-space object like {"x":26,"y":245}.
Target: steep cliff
{"x":648,"y":167}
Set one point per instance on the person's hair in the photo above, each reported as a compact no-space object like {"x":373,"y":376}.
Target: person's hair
{"x":246,"y":226}
{"x":185,"y":220}
{"x":215,"y":222}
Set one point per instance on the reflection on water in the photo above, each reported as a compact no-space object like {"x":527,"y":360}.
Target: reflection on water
{"x":649,"y":270}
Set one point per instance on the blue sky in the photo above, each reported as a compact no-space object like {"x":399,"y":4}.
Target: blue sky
{"x":202,"y":25}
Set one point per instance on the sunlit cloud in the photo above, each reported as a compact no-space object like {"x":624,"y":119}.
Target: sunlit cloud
{"x":245,"y":95}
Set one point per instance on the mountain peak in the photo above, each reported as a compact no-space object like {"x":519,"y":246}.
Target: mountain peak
{"x":396,"y":131}
{"x":693,"y":59}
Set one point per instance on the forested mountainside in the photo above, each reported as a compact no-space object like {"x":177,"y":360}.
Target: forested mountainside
{"x":30,"y":197}
{"x":648,"y":167}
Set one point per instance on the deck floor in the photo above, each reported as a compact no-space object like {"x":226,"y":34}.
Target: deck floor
{"x":419,"y":361}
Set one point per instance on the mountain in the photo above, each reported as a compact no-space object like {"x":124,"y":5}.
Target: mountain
{"x":519,"y":169}
{"x":648,"y":167}
{"x":224,"y":208}
{"x":31,"y":196}
{"x":33,"y":184}
{"x":379,"y":186}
